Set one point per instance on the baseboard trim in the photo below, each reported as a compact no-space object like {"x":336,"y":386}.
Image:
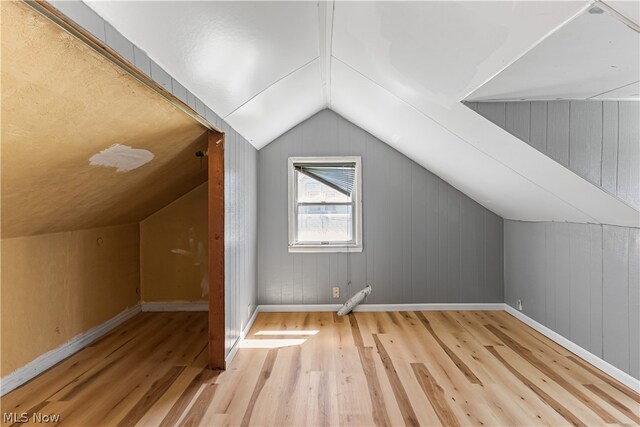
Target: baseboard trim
{"x":47,"y":360}
{"x":594,"y":360}
{"x":292,"y":308}
{"x":75,"y":344}
{"x":148,"y":306}
{"x":285,"y":308}
{"x":243,"y":335}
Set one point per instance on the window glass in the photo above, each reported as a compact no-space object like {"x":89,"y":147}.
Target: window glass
{"x":312,"y":191}
{"x":321,"y":218}
{"x":325,"y":223}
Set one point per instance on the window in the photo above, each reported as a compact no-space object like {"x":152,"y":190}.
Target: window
{"x":325,"y":204}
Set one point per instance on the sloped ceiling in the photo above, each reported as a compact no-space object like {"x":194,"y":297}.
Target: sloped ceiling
{"x":61,"y":104}
{"x":595,"y":56}
{"x":397,"y":69}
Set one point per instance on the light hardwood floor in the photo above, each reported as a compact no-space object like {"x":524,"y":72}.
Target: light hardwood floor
{"x":394,"y":368}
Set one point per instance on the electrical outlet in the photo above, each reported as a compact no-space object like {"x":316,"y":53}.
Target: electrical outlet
{"x":519,"y":304}
{"x":336,"y":292}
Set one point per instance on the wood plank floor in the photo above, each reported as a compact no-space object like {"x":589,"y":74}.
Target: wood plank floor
{"x":395,"y":368}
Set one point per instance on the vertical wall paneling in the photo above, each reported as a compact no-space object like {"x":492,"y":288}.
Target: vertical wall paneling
{"x":494,"y":111}
{"x":534,"y":261}
{"x":558,"y":131}
{"x":419,"y":235}
{"x":119,"y":43}
{"x":83,"y":15}
{"x":538,"y":133}
{"x":595,"y":289}
{"x":454,"y":292}
{"x":468,"y":239}
{"x":424,"y":241}
{"x":433,"y":243}
{"x":141,"y":60}
{"x":586,"y":140}
{"x":610,"y":146}
{"x":629,"y":153}
{"x":551,"y":279}
{"x":493,"y":258}
{"x":230,"y":310}
{"x":580,"y":288}
{"x":615,"y":272}
{"x":634,"y":302}
{"x":598,"y":140}
{"x":160,"y":76}
{"x":511,"y":262}
{"x":241,"y":227}
{"x":518,"y":119}
{"x":580,"y":280}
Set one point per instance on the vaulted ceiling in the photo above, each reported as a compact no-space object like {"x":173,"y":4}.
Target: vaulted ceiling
{"x":397,"y":69}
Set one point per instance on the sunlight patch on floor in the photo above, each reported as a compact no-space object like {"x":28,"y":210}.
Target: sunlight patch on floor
{"x":286,"y":332}
{"x":271,"y":343}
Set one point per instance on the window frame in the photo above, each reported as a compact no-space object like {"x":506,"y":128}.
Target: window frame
{"x":318,"y":247}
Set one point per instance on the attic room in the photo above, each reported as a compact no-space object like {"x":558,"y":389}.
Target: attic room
{"x":320,"y":213}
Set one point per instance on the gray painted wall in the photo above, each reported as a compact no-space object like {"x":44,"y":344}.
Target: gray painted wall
{"x":424,"y":241}
{"x":598,"y":140}
{"x":580,"y":280}
{"x":241,"y":185}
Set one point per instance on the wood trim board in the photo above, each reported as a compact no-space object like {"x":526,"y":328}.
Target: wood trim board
{"x":216,"y":210}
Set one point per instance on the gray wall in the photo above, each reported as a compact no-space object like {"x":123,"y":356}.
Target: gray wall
{"x":598,"y":140}
{"x":424,"y":241}
{"x":241,"y":164}
{"x":580,"y":280}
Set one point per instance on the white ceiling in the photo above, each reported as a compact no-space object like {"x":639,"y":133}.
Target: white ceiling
{"x":630,"y":9}
{"x":396,"y":69}
{"x":594,"y":56}
{"x":224,"y":52}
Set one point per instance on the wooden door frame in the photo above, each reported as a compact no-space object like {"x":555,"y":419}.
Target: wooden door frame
{"x":216,"y":210}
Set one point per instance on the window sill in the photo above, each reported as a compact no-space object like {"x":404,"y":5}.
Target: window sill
{"x":324,"y":249}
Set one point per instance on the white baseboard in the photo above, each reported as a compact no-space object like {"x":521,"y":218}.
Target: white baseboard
{"x":596,"y":361}
{"x":292,"y":308}
{"x":174,"y":306}
{"x":75,"y":344}
{"x":243,"y":334}
{"x":284,"y":308}
{"x":47,"y":360}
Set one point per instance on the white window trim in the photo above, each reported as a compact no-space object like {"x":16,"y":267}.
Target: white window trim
{"x":357,"y":214}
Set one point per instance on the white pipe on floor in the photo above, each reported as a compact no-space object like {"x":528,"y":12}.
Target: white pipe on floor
{"x":354,"y":301}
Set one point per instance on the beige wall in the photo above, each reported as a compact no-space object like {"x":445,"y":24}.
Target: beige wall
{"x":55,"y":286}
{"x":173,"y":250}
{"x":63,"y":103}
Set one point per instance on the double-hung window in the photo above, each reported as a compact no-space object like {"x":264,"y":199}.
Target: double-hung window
{"x":325,"y":204}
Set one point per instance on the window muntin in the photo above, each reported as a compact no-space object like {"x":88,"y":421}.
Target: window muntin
{"x":322,"y":219}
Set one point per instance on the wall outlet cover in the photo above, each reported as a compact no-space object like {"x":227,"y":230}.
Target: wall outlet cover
{"x":519,"y":304}
{"x":336,"y":292}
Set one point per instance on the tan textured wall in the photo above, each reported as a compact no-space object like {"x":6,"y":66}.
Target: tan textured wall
{"x":62,"y":103}
{"x":55,"y":286}
{"x":173,"y":250}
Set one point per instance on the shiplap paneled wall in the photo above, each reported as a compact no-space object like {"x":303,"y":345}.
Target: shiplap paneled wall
{"x":424,"y":241}
{"x":580,"y":280}
{"x":240,"y":192}
{"x":241,"y":160}
{"x":598,"y":140}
